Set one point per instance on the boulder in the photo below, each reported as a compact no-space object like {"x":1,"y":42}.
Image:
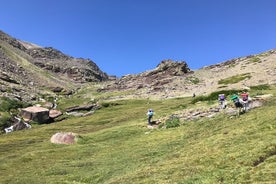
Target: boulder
{"x":54,"y":113}
{"x":64,"y":138}
{"x":37,"y":114}
{"x":84,"y":107}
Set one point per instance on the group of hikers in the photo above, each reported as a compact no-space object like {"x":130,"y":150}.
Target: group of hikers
{"x":241,"y":103}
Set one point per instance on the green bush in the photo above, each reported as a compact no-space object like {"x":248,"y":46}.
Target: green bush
{"x":6,"y":104}
{"x":4,"y":120}
{"x":172,"y":122}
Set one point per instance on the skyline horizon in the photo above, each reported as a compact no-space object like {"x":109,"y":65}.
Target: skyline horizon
{"x":193,"y":69}
{"x":129,"y":37}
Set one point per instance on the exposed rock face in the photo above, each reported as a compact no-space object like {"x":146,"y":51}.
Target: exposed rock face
{"x":171,"y":68}
{"x":77,"y":69}
{"x":154,"y":80}
{"x":37,"y":114}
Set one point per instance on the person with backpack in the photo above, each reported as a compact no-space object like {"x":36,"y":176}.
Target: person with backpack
{"x":222,"y":101}
{"x":245,"y":101}
{"x":237,"y":102}
{"x":150,"y":115}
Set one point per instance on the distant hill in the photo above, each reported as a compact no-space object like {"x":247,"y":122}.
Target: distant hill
{"x":26,"y":69}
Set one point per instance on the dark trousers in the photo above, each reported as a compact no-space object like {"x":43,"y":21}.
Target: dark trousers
{"x":149,"y":120}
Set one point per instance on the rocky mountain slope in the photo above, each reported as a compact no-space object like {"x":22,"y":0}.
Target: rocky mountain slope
{"x":28,"y":69}
{"x":175,"y":79}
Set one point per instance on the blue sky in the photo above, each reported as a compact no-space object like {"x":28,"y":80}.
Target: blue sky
{"x":131,"y":36}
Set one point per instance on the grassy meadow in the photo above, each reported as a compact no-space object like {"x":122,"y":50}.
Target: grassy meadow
{"x":115,"y":146}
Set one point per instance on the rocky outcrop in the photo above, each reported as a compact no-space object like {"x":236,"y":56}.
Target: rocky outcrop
{"x":154,"y":80}
{"x":37,"y":114}
{"x":170,"y":68}
{"x":83,"y":108}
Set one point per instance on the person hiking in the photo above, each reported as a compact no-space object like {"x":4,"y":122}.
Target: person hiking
{"x":222,"y":101}
{"x":237,"y":102}
{"x":245,"y":101}
{"x":150,"y":115}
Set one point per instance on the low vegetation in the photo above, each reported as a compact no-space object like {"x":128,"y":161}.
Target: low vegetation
{"x":115,"y":146}
{"x":234,"y":79}
{"x":214,"y":95}
{"x":260,"y":87}
{"x":255,"y":60}
{"x":193,"y":80}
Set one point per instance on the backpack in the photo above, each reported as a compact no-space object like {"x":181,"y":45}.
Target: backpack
{"x":221,"y":97}
{"x":150,"y":113}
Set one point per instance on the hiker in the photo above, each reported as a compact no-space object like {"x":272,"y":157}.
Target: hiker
{"x":222,"y":101}
{"x":245,"y":101}
{"x":194,"y":95}
{"x":237,"y":102}
{"x":150,"y":114}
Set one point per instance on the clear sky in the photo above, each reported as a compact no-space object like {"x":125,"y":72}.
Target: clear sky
{"x":131,"y":36}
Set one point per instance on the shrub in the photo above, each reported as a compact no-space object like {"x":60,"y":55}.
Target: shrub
{"x":4,"y":120}
{"x":214,"y":95}
{"x":7,"y":104}
{"x":172,"y":122}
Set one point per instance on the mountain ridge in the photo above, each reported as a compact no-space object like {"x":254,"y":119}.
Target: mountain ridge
{"x":28,"y":69}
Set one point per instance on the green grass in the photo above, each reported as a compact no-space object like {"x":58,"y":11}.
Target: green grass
{"x":260,"y":87}
{"x":234,"y":79}
{"x":116,"y":147}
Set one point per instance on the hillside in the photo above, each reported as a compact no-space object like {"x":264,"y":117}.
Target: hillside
{"x":28,"y":70}
{"x":115,"y":146}
{"x":166,"y":81}
{"x":194,"y":142}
